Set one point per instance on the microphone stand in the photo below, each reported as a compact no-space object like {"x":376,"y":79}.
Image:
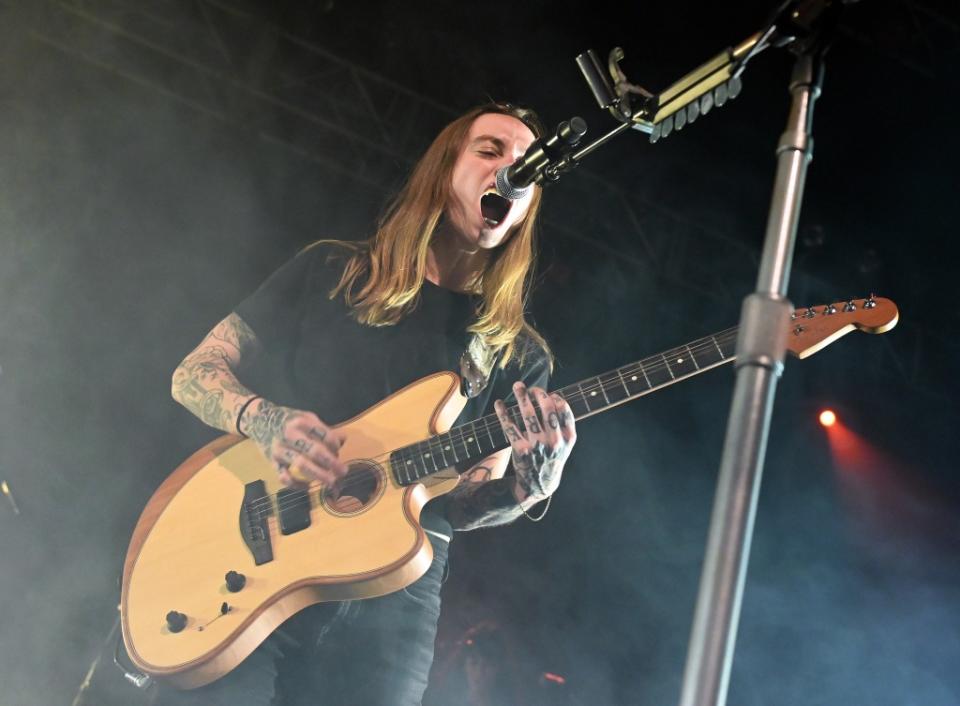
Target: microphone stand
{"x":761,"y":349}
{"x":765,"y":315}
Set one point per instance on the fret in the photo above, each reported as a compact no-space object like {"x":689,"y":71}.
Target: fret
{"x":453,"y":446}
{"x":603,"y":390}
{"x":583,"y":397}
{"x":488,"y":425}
{"x":433,"y":459}
{"x":714,"y":339}
{"x":422,"y":470}
{"x":403,"y":468}
{"x":692,"y":356}
{"x":463,"y":441}
{"x":614,"y":387}
{"x":657,"y":372}
{"x":707,"y":353}
{"x":632,"y":381}
{"x":473,"y":437}
{"x":682,"y":363}
{"x":669,"y":369}
{"x":440,"y":445}
{"x":623,"y":382}
{"x":643,"y":370}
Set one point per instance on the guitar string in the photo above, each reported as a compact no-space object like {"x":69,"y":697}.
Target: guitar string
{"x":490,"y":423}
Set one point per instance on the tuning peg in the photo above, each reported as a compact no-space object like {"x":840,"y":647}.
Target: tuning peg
{"x":870,"y":303}
{"x":850,"y":306}
{"x":809,"y":313}
{"x":829,"y":309}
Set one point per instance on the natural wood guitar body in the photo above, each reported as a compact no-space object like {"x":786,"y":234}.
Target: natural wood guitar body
{"x":189,"y":537}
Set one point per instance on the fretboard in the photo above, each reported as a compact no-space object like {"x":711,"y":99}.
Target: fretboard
{"x":480,"y":438}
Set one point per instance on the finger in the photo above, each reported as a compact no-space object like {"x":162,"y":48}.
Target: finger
{"x":510,"y":430}
{"x":532,"y":423}
{"x":568,"y":429}
{"x":302,"y":470}
{"x":284,"y":475}
{"x":310,"y":425}
{"x":317,"y":453}
{"x":550,"y":416}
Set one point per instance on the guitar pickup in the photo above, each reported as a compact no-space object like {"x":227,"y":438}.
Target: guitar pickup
{"x":293,"y":509}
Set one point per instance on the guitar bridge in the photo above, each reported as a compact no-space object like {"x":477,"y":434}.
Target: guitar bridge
{"x":254,"y":512}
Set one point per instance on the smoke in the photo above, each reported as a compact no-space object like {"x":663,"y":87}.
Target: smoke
{"x":131,"y":221}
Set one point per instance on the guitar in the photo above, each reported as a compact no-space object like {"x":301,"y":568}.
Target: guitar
{"x":223,"y":553}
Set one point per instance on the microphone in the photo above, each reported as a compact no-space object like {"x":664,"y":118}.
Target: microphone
{"x":513,"y":181}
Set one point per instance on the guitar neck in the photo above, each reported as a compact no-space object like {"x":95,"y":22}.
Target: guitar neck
{"x":480,"y":438}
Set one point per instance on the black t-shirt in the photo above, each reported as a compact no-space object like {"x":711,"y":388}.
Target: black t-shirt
{"x":318,"y":358}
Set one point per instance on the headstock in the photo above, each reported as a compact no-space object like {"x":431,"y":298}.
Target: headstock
{"x":814,"y":327}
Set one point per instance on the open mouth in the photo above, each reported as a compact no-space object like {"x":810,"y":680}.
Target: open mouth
{"x":494,"y":208}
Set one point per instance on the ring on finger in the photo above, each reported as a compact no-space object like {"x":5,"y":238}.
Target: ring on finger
{"x":301,"y":445}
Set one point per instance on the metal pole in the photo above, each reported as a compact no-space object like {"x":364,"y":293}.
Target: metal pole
{"x":761,"y":347}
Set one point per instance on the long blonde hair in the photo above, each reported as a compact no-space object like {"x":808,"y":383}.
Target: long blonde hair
{"x":383,"y":275}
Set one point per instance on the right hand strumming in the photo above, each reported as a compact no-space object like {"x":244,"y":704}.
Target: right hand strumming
{"x":298,"y":444}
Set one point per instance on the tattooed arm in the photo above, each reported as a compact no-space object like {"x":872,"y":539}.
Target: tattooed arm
{"x":484,"y":497}
{"x":297,"y":443}
{"x":205,"y":382}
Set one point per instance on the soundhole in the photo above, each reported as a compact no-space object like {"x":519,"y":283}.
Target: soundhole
{"x":360,"y":488}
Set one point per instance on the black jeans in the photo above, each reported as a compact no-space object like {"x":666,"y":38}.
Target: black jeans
{"x":374,"y":652}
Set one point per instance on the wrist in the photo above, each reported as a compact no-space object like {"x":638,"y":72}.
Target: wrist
{"x":525,"y":498}
{"x":248,"y":411}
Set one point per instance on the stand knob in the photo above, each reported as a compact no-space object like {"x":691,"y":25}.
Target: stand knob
{"x":176,"y":621}
{"x":235,"y":581}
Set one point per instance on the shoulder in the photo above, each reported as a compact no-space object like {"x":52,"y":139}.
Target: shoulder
{"x":326,"y":260}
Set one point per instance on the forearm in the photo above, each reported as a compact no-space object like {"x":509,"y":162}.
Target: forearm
{"x":205,"y":384}
{"x":473,"y":505}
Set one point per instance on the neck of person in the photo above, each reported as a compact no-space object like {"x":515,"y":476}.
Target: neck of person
{"x":452,"y":263}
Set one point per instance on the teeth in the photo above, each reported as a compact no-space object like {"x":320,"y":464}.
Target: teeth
{"x":490,"y":190}
{"x":491,"y":222}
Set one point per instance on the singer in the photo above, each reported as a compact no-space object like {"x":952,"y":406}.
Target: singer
{"x":440,"y":285}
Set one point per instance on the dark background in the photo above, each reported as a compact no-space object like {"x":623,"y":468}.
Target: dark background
{"x":159,"y":159}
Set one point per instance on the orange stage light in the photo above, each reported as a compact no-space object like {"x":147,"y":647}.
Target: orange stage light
{"x":828,"y":418}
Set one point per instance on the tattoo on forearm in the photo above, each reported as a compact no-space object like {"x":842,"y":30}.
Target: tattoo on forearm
{"x":474,"y":505}
{"x":212,"y":411}
{"x":477,"y":474}
{"x":553,"y":419}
